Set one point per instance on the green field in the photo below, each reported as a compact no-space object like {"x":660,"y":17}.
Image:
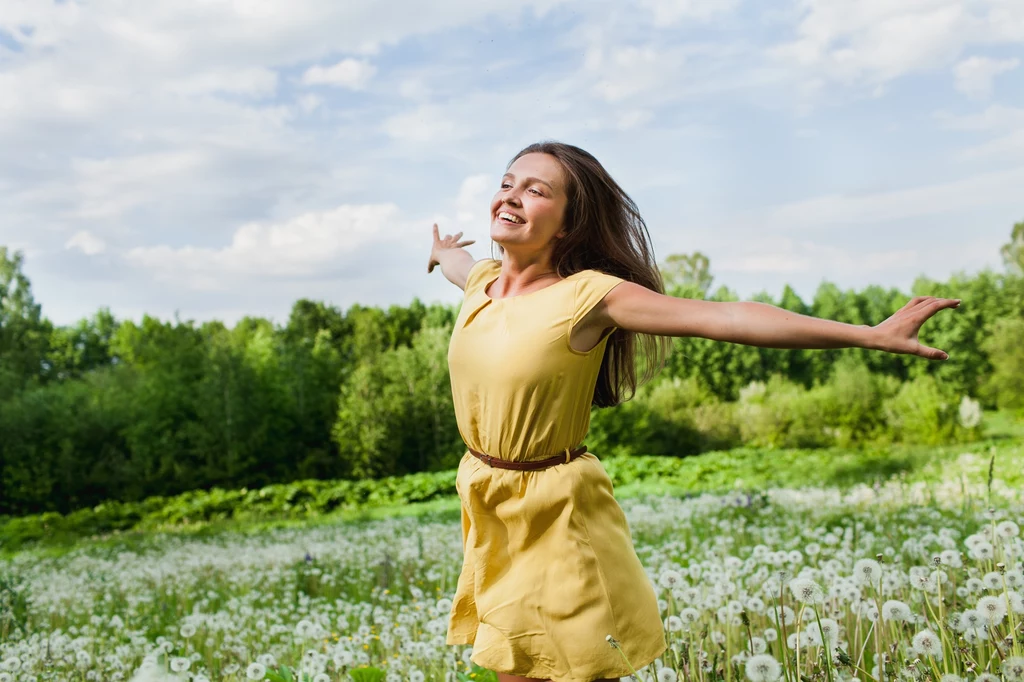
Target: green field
{"x":362,"y":593}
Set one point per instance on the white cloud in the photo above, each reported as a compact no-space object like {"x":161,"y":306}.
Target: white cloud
{"x":306,"y":245}
{"x":670,"y":12}
{"x":995,"y":117}
{"x":871,"y":42}
{"x":787,"y":256}
{"x":86,"y":242}
{"x":254,"y":81}
{"x":427,"y":123}
{"x":472,"y":205}
{"x":985,"y":190}
{"x":109,"y":187}
{"x":348,"y":73}
{"x":974,"y":75}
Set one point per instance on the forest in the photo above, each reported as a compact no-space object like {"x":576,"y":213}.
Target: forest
{"x":112,"y":409}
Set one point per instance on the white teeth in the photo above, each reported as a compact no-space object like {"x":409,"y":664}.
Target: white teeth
{"x":510,"y":217}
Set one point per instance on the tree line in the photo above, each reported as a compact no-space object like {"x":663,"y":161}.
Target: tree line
{"x":122,"y":409}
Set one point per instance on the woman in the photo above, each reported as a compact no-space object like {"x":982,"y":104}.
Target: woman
{"x":549,"y":569}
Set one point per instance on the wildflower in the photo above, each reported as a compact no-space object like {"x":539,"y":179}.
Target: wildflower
{"x":667,"y":674}
{"x":992,"y":609}
{"x":993,"y":580}
{"x":179,"y":664}
{"x":758,"y":645}
{"x":1007,"y":529}
{"x":763,"y":668}
{"x":670,"y":579}
{"x":973,"y":619}
{"x":982,"y":550}
{"x":950,"y":677}
{"x":673,"y":623}
{"x":969,"y":413}
{"x":1016,"y":601}
{"x":827,"y":633}
{"x":896,"y":610}
{"x":867,"y":572}
{"x":806,"y":591}
{"x":416,"y":675}
{"x":256,"y":671}
{"x":927,"y":643}
{"x":1013,"y":668}
{"x":187,"y":630}
{"x":951,"y":558}
{"x":689,"y":615}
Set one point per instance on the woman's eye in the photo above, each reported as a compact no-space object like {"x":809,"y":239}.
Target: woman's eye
{"x":505,"y":185}
{"x":535,"y":191}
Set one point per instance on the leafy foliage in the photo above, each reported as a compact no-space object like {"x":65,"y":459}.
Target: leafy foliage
{"x":127,"y":410}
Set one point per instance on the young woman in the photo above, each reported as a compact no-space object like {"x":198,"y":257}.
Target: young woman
{"x":549,"y":569}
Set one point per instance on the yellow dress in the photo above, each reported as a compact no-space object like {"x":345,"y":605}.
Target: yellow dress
{"x":549,"y":568}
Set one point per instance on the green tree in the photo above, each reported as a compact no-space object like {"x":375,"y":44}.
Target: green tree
{"x":687,"y":275}
{"x":1004,"y":386}
{"x":395,"y":414}
{"x":1013,"y":252}
{"x":24,"y":333}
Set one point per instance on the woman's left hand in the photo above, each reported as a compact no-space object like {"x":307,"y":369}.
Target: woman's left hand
{"x":898,"y":334}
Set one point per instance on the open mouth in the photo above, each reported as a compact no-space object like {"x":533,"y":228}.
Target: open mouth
{"x":507,"y":217}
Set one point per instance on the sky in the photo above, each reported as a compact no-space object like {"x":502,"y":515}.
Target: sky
{"x":223,"y":158}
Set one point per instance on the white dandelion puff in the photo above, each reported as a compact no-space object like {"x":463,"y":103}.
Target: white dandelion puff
{"x":927,"y":643}
{"x":992,"y":609}
{"x":896,"y":610}
{"x":256,"y":671}
{"x":762,"y":668}
{"x":867,"y":572}
{"x":1013,"y":668}
{"x":806,"y":591}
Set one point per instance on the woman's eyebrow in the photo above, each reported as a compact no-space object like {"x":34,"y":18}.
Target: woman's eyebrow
{"x":529,"y":179}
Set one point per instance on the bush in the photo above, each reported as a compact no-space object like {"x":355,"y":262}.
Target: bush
{"x":1005,"y":385}
{"x":927,"y":412}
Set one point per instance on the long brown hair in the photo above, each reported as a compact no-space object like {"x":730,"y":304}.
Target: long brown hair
{"x":604,"y":231}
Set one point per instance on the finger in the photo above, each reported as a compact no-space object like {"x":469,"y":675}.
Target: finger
{"x":932,"y":353}
{"x":436,"y":236}
{"x":935,"y":305}
{"x":466,"y":243}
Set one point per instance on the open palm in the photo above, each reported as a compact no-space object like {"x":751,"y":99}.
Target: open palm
{"x":899,"y":333}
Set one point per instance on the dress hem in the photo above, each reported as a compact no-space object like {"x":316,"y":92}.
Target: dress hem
{"x":546,"y":673}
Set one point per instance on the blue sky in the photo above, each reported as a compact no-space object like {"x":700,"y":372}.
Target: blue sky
{"x":223,"y":159}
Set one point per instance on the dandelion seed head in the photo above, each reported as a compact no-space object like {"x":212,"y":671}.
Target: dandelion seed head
{"x":806,"y":591}
{"x":927,"y":643}
{"x":762,"y":668}
{"x":1013,"y":668}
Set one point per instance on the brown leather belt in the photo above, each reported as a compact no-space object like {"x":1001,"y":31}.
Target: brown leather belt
{"x":531,"y":465}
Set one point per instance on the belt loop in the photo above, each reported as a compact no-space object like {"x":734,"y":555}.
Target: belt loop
{"x":567,"y":455}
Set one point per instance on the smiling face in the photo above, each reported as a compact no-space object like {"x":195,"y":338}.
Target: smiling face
{"x":527,"y":211}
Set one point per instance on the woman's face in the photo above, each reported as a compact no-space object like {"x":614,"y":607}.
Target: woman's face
{"x":527,"y":211}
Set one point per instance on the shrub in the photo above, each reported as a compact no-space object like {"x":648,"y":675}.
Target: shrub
{"x":927,"y":412}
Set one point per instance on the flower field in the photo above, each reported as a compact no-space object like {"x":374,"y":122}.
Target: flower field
{"x":896,"y":582}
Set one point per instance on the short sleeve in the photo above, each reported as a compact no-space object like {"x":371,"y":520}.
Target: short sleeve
{"x":591,"y":288}
{"x":478,"y":273}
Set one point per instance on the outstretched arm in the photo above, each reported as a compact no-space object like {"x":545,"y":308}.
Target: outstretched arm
{"x":455,"y":261}
{"x":636,"y":308}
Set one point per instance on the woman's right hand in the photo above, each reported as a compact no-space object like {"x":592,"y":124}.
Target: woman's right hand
{"x":441,"y":245}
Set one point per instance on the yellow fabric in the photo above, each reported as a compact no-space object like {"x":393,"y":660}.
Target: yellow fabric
{"x":549,"y":568}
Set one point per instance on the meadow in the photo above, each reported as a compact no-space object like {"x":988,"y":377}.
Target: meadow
{"x":917,"y":577}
